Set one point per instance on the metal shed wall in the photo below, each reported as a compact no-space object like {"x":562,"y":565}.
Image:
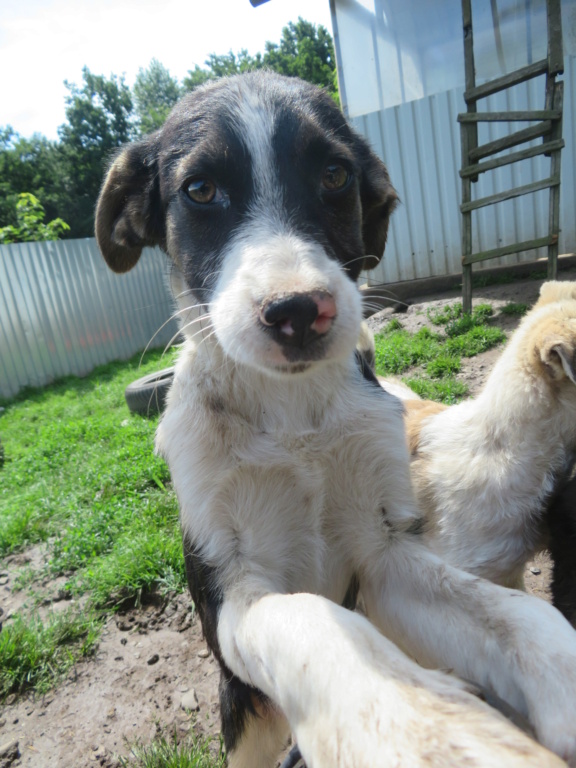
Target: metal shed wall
{"x":420,"y":143}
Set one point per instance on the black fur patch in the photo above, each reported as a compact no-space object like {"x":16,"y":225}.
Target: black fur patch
{"x":237,"y":700}
{"x":367,"y":372}
{"x":305,"y":143}
{"x":561,"y":521}
{"x":199,"y":142}
{"x":351,"y":596}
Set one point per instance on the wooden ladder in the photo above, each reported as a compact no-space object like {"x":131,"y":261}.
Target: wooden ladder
{"x":547,"y":125}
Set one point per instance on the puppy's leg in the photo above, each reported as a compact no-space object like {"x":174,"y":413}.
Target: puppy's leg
{"x":352,"y":698}
{"x":515,"y":644}
{"x":253,"y":728}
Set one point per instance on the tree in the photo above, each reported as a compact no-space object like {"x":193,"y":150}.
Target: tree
{"x":29,"y":164}
{"x":99,"y":120}
{"x":222,"y":65}
{"x":196,"y":77}
{"x":155,"y":93}
{"x":305,"y":51}
{"x":30,"y":224}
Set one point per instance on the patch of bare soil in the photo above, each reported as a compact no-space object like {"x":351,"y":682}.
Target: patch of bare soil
{"x":152,"y":672}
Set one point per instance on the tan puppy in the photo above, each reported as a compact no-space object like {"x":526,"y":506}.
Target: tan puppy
{"x":483,"y":470}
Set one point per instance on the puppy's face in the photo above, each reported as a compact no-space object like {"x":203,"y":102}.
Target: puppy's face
{"x":268,"y":204}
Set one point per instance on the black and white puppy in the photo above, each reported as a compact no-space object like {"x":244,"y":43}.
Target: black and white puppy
{"x":290,"y":463}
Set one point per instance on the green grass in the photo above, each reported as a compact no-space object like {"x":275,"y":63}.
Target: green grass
{"x":437,"y":353}
{"x":516,"y":310}
{"x":80,"y":477}
{"x":168,"y":753}
{"x":447,"y":390}
{"x":397,"y":349}
{"x":36,"y":654}
{"x":445,"y":315}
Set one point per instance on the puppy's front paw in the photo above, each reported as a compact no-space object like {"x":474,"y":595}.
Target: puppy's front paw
{"x":547,"y":664}
{"x":553,"y":707}
{"x":376,"y":720}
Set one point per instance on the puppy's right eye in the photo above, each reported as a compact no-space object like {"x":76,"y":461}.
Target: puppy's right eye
{"x":335,"y":177}
{"x":203,"y":191}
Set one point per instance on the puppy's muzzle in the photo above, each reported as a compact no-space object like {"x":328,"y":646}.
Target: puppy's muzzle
{"x":298,"y":319}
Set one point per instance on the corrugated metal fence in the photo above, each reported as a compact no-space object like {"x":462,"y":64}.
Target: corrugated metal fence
{"x":62,"y":311}
{"x":420,"y":143}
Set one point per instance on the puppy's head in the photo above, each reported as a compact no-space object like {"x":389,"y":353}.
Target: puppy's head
{"x":556,"y":290}
{"x":268,"y":204}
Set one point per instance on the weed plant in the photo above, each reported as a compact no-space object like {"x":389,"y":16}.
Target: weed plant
{"x":36,"y":653}
{"x":168,"y":753}
{"x":515,"y":310}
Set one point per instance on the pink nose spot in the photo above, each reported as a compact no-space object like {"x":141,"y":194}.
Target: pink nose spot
{"x":326,"y":314}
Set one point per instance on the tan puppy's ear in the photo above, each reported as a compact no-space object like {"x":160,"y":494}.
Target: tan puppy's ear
{"x":127,"y":217}
{"x":559,"y":357}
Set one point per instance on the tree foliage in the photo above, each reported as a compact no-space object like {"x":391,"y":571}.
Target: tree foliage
{"x":155,"y":93}
{"x":99,"y":120}
{"x":29,"y":164}
{"x":305,"y":50}
{"x":30,"y":224}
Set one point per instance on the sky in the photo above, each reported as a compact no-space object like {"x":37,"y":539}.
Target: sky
{"x":45,"y":42}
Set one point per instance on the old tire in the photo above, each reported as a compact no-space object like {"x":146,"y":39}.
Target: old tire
{"x":147,"y":396}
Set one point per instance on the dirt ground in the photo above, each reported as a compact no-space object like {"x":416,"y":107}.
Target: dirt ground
{"x":152,"y":672}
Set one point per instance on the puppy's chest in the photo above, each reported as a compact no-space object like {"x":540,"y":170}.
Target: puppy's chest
{"x":320,"y":447}
{"x":320,"y":438}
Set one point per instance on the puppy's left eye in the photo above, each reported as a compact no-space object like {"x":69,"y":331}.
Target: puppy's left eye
{"x":203,"y":191}
{"x":335,"y":177}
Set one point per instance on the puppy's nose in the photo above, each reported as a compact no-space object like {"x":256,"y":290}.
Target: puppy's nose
{"x":298,"y":319}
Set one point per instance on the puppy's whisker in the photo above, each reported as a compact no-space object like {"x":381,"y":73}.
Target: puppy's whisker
{"x":211,"y":275}
{"x":374,"y":301}
{"x":352,"y":261}
{"x":201,"y":329}
{"x":182,"y":327}
{"x":383,"y":293}
{"x":161,"y":328}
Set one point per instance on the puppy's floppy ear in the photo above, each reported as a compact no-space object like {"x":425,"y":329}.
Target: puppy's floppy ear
{"x":128,"y":209}
{"x":379,"y":199}
{"x":559,"y":357}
